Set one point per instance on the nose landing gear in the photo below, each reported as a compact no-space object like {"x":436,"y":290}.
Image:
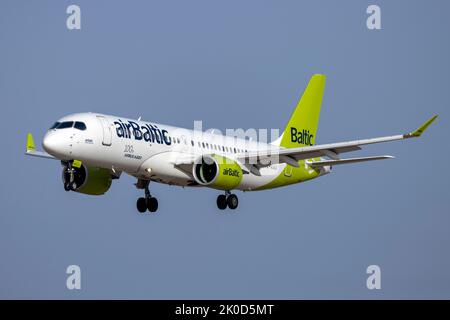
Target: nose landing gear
{"x":69,"y":180}
{"x":227,"y":199}
{"x":148,"y":202}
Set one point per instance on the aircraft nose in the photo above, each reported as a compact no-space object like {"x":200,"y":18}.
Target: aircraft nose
{"x":50,"y":143}
{"x":53,"y":145}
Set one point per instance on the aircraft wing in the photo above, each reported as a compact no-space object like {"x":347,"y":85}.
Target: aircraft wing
{"x":31,"y":149}
{"x":185,"y":163}
{"x":293,"y":155}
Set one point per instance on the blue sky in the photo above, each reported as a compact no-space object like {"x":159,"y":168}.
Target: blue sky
{"x":231,"y":64}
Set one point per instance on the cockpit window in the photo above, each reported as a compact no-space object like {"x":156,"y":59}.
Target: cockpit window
{"x":80,"y":125}
{"x":54,"y":125}
{"x":65,"y":124}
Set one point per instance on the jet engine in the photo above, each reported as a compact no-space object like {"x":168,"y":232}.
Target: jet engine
{"x":217,"y":172}
{"x":87,"y":180}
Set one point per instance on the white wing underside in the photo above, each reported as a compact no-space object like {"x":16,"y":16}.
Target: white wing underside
{"x":323,"y":163}
{"x":39,"y":154}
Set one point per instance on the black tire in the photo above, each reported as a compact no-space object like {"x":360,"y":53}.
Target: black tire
{"x":152,"y":204}
{"x":67,"y":186}
{"x":73,"y":186}
{"x":141,"y":205}
{"x":221,"y":202}
{"x":232,"y":201}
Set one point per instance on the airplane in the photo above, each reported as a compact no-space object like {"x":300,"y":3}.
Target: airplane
{"x":95,"y":149}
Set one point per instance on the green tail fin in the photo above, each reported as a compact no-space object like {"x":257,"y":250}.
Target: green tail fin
{"x":302,"y":126}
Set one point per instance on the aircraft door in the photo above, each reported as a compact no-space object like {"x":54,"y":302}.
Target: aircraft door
{"x":107,"y":131}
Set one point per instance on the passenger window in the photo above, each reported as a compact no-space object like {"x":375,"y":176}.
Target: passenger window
{"x":80,"y":125}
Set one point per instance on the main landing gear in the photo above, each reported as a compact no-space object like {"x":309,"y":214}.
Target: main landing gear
{"x":227,"y":199}
{"x":148,"y":202}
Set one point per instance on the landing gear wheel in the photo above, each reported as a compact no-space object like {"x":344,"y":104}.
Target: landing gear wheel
{"x":141,"y":205}
{"x":73,"y":186}
{"x":67,"y":186}
{"x":152,"y":204}
{"x":147,"y":202}
{"x":232,"y":201}
{"x":222,"y":202}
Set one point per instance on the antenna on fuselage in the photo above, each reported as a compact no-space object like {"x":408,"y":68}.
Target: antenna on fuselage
{"x":139,"y":119}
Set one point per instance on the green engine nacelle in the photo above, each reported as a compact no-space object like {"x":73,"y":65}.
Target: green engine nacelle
{"x":90,"y":180}
{"x":217,"y":172}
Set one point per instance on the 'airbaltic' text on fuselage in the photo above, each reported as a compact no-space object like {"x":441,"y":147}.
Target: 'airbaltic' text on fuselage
{"x":147,"y":132}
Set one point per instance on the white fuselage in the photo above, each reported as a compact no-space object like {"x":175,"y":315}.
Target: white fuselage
{"x":148,"y":150}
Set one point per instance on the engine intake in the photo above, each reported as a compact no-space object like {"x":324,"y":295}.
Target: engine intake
{"x":217,"y":172}
{"x":88,"y":180}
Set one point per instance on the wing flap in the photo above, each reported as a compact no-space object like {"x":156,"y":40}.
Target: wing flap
{"x":323,"y":163}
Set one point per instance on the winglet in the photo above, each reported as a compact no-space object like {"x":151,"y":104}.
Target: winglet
{"x":418,"y":132}
{"x":30,"y":143}
{"x":32,"y":151}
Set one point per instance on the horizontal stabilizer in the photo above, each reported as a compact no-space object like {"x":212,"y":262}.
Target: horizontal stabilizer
{"x":345,"y":161}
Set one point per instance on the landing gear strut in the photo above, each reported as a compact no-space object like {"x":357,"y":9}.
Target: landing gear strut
{"x":69,"y":177}
{"x":227,"y":199}
{"x":148,"y":202}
